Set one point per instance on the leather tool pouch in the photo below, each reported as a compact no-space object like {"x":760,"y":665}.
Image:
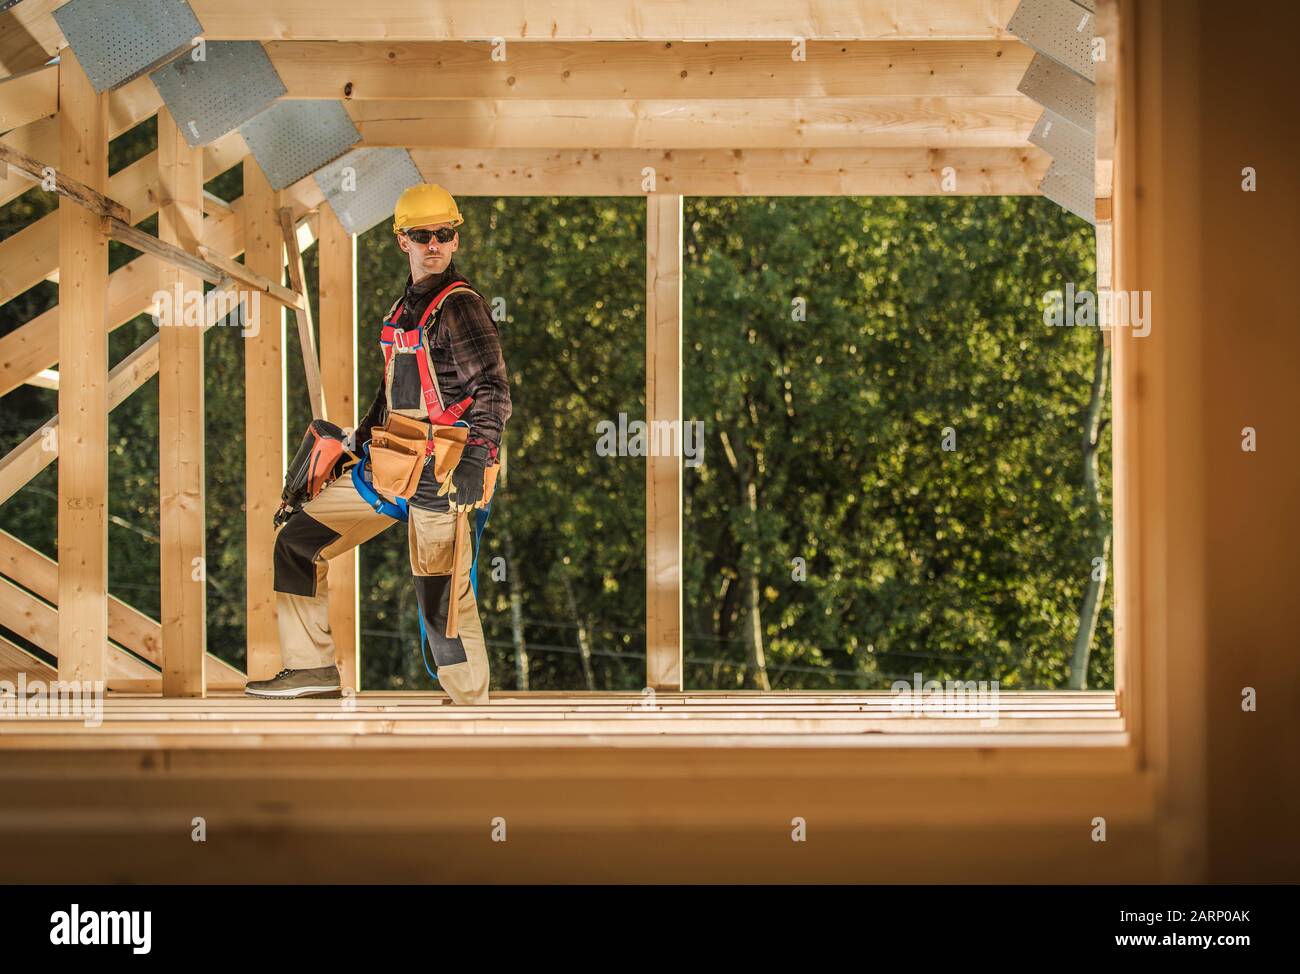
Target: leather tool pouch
{"x":397,"y":455}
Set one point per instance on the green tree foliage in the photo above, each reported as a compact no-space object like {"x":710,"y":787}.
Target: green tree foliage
{"x":921,"y":314}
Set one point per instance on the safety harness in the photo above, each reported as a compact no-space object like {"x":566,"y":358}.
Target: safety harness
{"x":393,"y":338}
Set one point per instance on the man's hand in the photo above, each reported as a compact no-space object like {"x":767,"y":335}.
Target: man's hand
{"x":465,"y":485}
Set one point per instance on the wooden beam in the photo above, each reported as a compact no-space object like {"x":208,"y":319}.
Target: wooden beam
{"x":168,"y":254}
{"x":32,"y":347}
{"x":181,"y":489}
{"x":229,"y":267}
{"x":83,"y":389}
{"x":650,"y":70}
{"x":739,"y":172}
{"x":302,"y":313}
{"x":608,"y":20}
{"x":29,"y":35}
{"x":663,"y":503}
{"x":338,"y":346}
{"x":31,"y":255}
{"x":41,"y":623}
{"x":15,"y":660}
{"x":805,"y":123}
{"x":263,"y":422}
{"x":128,"y":106}
{"x":66,"y":185}
{"x":29,"y":96}
{"x":127,"y":627}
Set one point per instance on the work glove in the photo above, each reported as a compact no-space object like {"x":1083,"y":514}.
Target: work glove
{"x":464,"y":487}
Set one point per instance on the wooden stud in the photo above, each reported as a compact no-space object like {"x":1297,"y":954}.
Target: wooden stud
{"x":663,"y":502}
{"x":302,"y":313}
{"x":263,"y":421}
{"x":338,"y":346}
{"x":181,"y":489}
{"x":83,"y":389}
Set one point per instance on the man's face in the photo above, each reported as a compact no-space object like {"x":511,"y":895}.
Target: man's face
{"x":428,"y":258}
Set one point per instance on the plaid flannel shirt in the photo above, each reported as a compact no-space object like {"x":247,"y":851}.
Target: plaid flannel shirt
{"x":466,"y":354}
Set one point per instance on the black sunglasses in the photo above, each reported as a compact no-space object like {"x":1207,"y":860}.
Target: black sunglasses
{"x":443,"y":235}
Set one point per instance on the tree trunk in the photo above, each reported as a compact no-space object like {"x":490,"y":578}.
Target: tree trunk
{"x":1090,"y":610}
{"x":584,"y":640}
{"x":516,"y":588}
{"x":752,"y":629}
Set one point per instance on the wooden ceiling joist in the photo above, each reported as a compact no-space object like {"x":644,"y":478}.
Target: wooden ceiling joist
{"x":605,"y":20}
{"x":641,"y":70}
{"x":813,"y":123}
{"x":752,"y":172}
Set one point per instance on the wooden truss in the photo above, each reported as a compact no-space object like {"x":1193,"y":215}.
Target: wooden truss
{"x":808,"y":97}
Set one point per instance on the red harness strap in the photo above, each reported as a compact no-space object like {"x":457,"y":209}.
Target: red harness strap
{"x":393,"y":336}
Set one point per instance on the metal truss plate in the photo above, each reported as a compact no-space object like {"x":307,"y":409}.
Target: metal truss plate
{"x":209,"y":98}
{"x":1073,"y":150}
{"x":116,"y":41}
{"x":292,"y":139}
{"x":1061,"y":29}
{"x":363,"y":186}
{"x":1076,"y":192}
{"x":1064,"y":92}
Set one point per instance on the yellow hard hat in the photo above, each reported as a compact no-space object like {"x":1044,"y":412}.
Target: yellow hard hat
{"x":424,"y":204}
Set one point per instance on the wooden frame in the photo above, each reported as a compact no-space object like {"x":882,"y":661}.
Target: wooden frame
{"x":1141,"y":765}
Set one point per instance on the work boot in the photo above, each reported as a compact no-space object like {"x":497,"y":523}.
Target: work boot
{"x":322,"y":681}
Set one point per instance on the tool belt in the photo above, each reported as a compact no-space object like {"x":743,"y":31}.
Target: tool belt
{"x":402,"y":447}
{"x":321,"y":457}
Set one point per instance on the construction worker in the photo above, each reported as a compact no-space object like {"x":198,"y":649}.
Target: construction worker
{"x":441,"y":348}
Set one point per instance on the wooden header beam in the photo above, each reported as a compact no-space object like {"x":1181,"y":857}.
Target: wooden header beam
{"x":747,"y":172}
{"x":608,"y":20}
{"x":646,"y":70}
{"x":740,"y":123}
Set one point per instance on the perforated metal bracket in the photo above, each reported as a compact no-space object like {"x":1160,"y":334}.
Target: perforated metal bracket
{"x":1061,"y":29}
{"x":209,"y":98}
{"x":292,"y":139}
{"x":116,"y":41}
{"x":363,"y":186}
{"x":1074,"y":150}
{"x":1064,"y":92}
{"x":1074,"y":191}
